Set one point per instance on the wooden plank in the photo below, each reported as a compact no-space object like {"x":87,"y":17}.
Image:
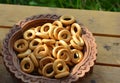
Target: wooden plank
{"x":103,"y":74}
{"x":3,"y":32}
{"x":97,"y":21}
{"x":108,"y":50}
{"x":100,"y":74}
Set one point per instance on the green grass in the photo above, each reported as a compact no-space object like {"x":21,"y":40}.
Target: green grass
{"x":104,"y":5}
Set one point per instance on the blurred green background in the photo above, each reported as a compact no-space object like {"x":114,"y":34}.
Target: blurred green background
{"x":104,"y":5}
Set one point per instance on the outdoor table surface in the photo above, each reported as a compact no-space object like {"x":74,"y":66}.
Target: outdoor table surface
{"x":105,"y":27}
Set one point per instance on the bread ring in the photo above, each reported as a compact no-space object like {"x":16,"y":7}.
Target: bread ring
{"x":24,"y":54}
{"x":37,"y":29}
{"x":45,"y":61}
{"x":63,"y":43}
{"x":62,"y":74}
{"x":48,"y":41}
{"x":42,"y":35}
{"x":21,"y":45}
{"x":56,"y":31}
{"x":46,"y":28}
{"x":59,"y":66}
{"x":57,"y":23}
{"x":67,"y":20}
{"x":41,"y":51}
{"x":75,"y":29}
{"x":29,"y":34}
{"x":51,"y":32}
{"x":78,"y":40}
{"x":77,"y":56}
{"x":64,"y":35}
{"x":55,"y":50}
{"x":63,"y":54}
{"x":74,"y":45}
{"x":48,"y":70}
{"x":33,"y":59}
{"x":34,"y":43}
{"x":27,"y":65}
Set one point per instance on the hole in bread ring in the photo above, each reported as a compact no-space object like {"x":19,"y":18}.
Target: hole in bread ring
{"x":64,"y":54}
{"x":77,"y":56}
{"x":21,"y":45}
{"x":48,"y":70}
{"x":29,"y":34}
{"x":27,"y":65}
{"x":75,"y":29}
{"x":59,"y":66}
{"x":64,"y":35}
{"x":46,"y":27}
{"x":67,"y":20}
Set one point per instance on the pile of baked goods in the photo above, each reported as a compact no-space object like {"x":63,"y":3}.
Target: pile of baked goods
{"x":52,"y":49}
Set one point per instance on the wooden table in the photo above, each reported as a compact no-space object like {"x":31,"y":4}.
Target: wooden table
{"x":105,"y":27}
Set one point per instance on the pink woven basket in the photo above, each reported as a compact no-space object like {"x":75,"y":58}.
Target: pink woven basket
{"x":12,"y":62}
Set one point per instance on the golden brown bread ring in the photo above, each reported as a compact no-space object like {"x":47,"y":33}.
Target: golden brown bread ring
{"x":64,"y":35}
{"x":55,"y":50}
{"x":51,"y":35}
{"x":77,"y":56}
{"x":74,"y":45}
{"x":42,"y":35}
{"x":78,"y":40}
{"x":64,"y":54}
{"x":46,"y":28}
{"x":48,"y":70}
{"x":56,"y":31}
{"x":24,"y":54}
{"x":45,"y":61}
{"x":59,"y":66}
{"x":75,"y":29}
{"x":29,"y":34}
{"x":27,"y":65}
{"x":34,"y":59}
{"x":38,"y":29}
{"x":21,"y":45}
{"x":34,"y":43}
{"x":57,"y":23}
{"x":67,"y":20}
{"x":63,"y":43}
{"x":62,"y":74}
{"x":41,"y":51}
{"x":48,"y":41}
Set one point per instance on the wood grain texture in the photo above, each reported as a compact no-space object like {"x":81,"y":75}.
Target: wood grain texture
{"x":96,"y":21}
{"x":108,"y":49}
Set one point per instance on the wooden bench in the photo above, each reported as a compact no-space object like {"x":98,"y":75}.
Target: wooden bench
{"x":105,"y":27}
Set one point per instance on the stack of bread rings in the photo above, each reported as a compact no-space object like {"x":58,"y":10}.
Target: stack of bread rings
{"x":51,"y":49}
